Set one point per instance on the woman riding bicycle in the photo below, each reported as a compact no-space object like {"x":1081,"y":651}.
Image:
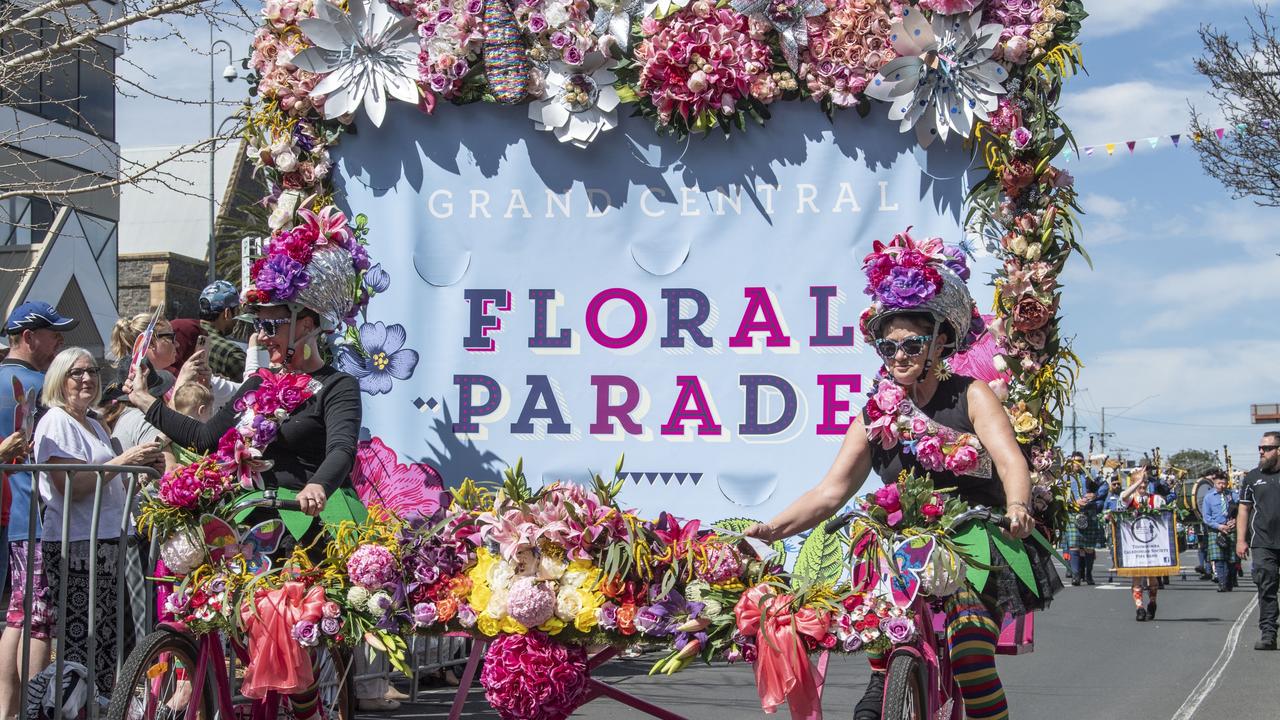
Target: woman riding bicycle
{"x":921,"y":418}
{"x":312,"y":450}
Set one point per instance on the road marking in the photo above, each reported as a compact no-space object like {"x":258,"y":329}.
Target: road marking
{"x":1210,"y":679}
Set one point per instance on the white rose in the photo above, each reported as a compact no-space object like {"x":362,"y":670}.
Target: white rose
{"x":550,"y":568}
{"x":1033,"y":252}
{"x":286,"y":161}
{"x":1018,"y":245}
{"x":497,"y":606}
{"x":500,"y":575}
{"x":568,"y":604}
{"x":557,"y":14}
{"x":574,"y":579}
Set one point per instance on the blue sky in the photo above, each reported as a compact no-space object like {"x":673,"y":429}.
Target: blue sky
{"x":1174,"y":320}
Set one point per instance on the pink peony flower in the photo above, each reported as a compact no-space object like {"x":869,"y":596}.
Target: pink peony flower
{"x":950,"y":7}
{"x":929,"y":453}
{"x":372,"y":567}
{"x":963,"y":460}
{"x":889,"y":395}
{"x":889,"y":498}
{"x":532,"y":677}
{"x":531,"y":602}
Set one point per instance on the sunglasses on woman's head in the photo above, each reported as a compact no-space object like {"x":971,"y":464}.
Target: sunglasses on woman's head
{"x":911,"y":346}
{"x":269,"y":328}
{"x":81,"y":373}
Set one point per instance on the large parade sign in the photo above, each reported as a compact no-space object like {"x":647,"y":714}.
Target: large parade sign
{"x":1145,"y":544}
{"x":691,"y":303}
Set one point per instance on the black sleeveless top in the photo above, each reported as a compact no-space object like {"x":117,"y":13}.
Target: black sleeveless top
{"x":949,"y":406}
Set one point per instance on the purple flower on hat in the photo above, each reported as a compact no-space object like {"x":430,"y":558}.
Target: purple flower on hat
{"x":282,"y":276}
{"x":906,"y":287}
{"x":956,"y":262}
{"x":384,"y":358}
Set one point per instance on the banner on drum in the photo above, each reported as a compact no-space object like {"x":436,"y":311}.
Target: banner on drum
{"x":693,"y":304}
{"x":1145,"y":545}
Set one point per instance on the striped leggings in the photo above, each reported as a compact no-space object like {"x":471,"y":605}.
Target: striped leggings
{"x":971,"y":640}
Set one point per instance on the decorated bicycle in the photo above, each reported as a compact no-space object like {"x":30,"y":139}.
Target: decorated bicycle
{"x":922,"y":419}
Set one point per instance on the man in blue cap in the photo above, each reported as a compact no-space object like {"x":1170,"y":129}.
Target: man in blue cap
{"x":219,"y":304}
{"x":35,"y":334}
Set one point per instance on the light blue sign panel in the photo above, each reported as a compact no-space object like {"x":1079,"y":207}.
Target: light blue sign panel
{"x":693,"y":304}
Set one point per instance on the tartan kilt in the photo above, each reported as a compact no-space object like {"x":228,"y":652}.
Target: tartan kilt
{"x":1216,"y":553}
{"x":1091,"y":537}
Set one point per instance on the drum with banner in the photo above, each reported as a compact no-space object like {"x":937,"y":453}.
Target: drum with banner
{"x":1144,"y":544}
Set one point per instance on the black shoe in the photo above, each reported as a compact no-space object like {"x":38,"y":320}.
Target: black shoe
{"x":1075,"y":582}
{"x":1266,"y":643}
{"x":1151,"y":610}
{"x":1223,"y":589}
{"x":869,"y":707}
{"x":1088,"y":580}
{"x":1142,"y":614}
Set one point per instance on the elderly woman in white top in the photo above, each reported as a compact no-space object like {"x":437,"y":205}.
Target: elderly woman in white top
{"x":67,"y":434}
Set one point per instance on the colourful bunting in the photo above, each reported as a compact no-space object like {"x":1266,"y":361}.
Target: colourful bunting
{"x":1130,"y":145}
{"x":1175,"y":139}
{"x":1153,"y":141}
{"x":1219,"y":132}
{"x":1111,"y":148}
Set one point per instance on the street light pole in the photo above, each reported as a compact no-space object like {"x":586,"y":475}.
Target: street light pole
{"x":229,"y":73}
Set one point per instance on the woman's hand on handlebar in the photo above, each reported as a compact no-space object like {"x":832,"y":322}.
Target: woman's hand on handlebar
{"x":312,"y":498}
{"x":1020,"y":522}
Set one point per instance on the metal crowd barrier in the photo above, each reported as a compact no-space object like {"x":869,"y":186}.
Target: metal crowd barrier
{"x":123,"y":557}
{"x":426,"y":655}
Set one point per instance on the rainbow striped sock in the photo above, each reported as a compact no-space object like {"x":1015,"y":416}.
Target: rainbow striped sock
{"x":971,"y":639}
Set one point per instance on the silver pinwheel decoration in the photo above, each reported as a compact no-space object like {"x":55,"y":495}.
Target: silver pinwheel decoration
{"x":364,"y":55}
{"x":789,"y":18}
{"x":944,"y":79}
{"x":613,"y":19}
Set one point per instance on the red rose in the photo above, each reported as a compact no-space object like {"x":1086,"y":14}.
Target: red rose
{"x":291,"y":181}
{"x":1030,"y":314}
{"x":1016,"y":176}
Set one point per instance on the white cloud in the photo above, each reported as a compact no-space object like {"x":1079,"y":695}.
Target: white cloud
{"x":1105,"y":218}
{"x":1133,"y":110}
{"x":1120,"y":16}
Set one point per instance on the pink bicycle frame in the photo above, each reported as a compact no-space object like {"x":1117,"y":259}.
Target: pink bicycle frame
{"x":930,"y":647}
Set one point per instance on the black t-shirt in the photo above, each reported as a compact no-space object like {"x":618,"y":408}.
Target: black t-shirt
{"x":1261,"y":492}
{"x":949,"y":406}
{"x":317,"y":443}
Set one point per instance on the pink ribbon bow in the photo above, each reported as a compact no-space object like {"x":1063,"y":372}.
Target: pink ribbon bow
{"x":783,"y":672}
{"x":276,"y":661}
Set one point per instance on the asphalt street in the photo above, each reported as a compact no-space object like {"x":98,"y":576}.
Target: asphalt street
{"x":1091,"y":660}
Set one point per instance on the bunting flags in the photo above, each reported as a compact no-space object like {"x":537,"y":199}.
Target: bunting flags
{"x":1220,"y":133}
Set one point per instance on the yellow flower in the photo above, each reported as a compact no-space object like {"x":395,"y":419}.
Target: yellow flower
{"x":586,"y":620}
{"x":480,"y":595}
{"x":552,"y":626}
{"x":1025,"y":423}
{"x":511,"y":627}
{"x":488,"y":625}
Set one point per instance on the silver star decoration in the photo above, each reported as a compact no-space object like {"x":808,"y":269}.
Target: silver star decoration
{"x":613,"y":18}
{"x":945,"y":78}
{"x":364,"y":56}
{"x":788,"y":17}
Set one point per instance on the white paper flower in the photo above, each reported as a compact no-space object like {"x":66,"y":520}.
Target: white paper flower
{"x":365,"y":55}
{"x":580,"y":102}
{"x":663,"y":8}
{"x":945,"y":78}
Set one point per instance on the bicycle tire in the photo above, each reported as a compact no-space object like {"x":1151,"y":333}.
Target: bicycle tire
{"x":904,"y":691}
{"x":140,"y":670}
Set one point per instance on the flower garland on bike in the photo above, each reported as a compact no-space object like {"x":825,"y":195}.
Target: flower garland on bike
{"x":922,"y":421}
{"x":292,"y":428}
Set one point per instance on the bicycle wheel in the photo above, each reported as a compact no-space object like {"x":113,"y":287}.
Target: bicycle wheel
{"x":154,"y":683}
{"x":904,"y":692}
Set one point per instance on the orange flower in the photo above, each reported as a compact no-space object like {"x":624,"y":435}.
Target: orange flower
{"x":460,"y":587}
{"x":627,"y":619}
{"x":446,"y":609}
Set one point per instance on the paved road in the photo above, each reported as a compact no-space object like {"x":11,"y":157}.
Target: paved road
{"x":1092,"y":660}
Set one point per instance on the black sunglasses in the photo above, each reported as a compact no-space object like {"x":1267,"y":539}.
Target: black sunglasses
{"x":269,"y":328}
{"x":911,"y":346}
{"x":1267,"y":448}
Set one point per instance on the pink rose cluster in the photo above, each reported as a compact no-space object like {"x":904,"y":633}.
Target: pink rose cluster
{"x":847,"y":47}
{"x":701,"y":60}
{"x":274,"y":46}
{"x":950,"y":7}
{"x":1018,"y":18}
{"x":451,"y":36}
{"x":532,"y":677}
{"x":372,"y":567}
{"x":557,"y":29}
{"x":186,"y":486}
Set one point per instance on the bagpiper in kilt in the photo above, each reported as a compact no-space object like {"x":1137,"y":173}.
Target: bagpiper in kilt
{"x":1218,"y":511}
{"x":1084,"y":527}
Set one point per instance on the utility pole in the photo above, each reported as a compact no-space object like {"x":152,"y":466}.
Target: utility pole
{"x":1102,"y":436}
{"x":1075,"y":429}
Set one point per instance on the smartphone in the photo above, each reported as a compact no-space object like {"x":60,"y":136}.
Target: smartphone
{"x":200,"y":341}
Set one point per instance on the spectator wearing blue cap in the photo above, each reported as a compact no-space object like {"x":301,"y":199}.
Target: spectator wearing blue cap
{"x":219,"y":304}
{"x":35,"y":334}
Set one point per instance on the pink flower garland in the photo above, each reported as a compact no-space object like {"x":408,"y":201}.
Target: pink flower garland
{"x":894,"y":419}
{"x":847,"y":47}
{"x":532,"y":677}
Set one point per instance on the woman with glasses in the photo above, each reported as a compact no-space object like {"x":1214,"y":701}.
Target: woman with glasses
{"x":68,"y":434}
{"x":165,"y":358}
{"x":917,"y":419}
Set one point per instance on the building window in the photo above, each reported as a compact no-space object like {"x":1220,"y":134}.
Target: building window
{"x":75,"y":88}
{"x":25,"y":220}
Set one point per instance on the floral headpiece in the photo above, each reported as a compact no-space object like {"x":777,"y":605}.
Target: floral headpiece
{"x":318,"y":264}
{"x":907,"y":275}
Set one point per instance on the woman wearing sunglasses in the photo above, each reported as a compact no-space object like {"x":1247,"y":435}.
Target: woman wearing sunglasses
{"x":921,"y":418}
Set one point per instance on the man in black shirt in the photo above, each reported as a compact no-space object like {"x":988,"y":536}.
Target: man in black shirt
{"x":1259,"y":514}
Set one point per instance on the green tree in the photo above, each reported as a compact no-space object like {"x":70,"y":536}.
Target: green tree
{"x":1195,"y":462}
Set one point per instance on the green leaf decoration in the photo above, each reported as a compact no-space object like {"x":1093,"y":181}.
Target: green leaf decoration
{"x":342,"y":505}
{"x":738,"y":525}
{"x":1015,"y":553}
{"x":821,"y":556}
{"x":975,"y":542}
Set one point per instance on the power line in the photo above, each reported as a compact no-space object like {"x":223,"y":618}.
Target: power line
{"x":1170,"y":422}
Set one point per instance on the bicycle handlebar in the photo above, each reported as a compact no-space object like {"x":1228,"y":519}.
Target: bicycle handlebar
{"x":267,"y":500}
